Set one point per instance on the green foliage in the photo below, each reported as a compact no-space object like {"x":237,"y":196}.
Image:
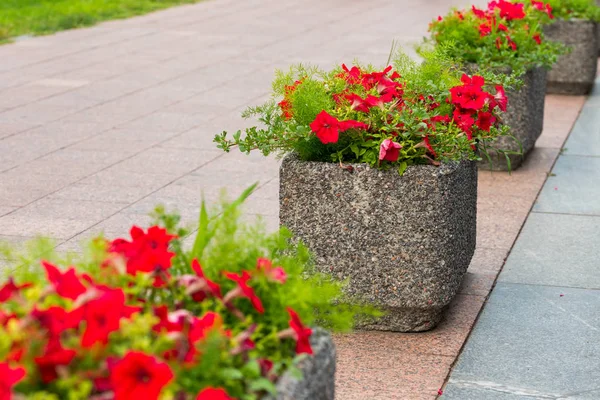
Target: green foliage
{"x":490,"y":40}
{"x":575,"y":9}
{"x":39,"y":17}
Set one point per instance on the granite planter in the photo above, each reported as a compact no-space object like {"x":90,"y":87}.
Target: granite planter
{"x":525,"y":117}
{"x":403,"y":242}
{"x":318,"y":373}
{"x":574,"y":73}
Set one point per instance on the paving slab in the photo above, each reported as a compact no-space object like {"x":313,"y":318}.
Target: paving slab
{"x":558,"y":250}
{"x":573,"y":187}
{"x":585,"y":137}
{"x":535,"y":341}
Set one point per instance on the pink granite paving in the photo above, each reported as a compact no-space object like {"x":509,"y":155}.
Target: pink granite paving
{"x":99,"y":125}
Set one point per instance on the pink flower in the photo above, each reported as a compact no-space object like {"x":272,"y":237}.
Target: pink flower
{"x":501,"y":98}
{"x":276,"y":274}
{"x":389,"y":150}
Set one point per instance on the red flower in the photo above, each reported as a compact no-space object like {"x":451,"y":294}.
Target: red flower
{"x":213,"y":394}
{"x":464,"y":120}
{"x":357,"y":103}
{"x":501,"y":98}
{"x":56,"y":320}
{"x":139,"y":376}
{"x":478,"y":13}
{"x":538,"y":39}
{"x":199,"y":330}
{"x":67,"y":285}
{"x":547,"y":8}
{"x":286,"y":108}
{"x":511,"y":43}
{"x":243,"y":290}
{"x":485,"y":121}
{"x":302,"y":333}
{"x":508,"y":10}
{"x":328,"y":128}
{"x":352,"y":76}
{"x":276,"y":274}
{"x":208,"y":286}
{"x":371,"y":80}
{"x":389,"y":150}
{"x":474,"y":80}
{"x":103,"y":316}
{"x":484,"y":30}
{"x":428,"y":145}
{"x":498,"y":42}
{"x":54,"y":356}
{"x":10,"y":288}
{"x":8,"y":378}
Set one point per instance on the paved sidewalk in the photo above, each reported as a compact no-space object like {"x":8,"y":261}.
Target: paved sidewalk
{"x":99,"y":125}
{"x":538,"y":336}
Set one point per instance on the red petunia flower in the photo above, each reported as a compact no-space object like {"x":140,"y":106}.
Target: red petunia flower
{"x":389,"y":150}
{"x":209,"y":286}
{"x":302,"y":333}
{"x":501,"y":98}
{"x":54,"y":355}
{"x":67,"y":285}
{"x":357,"y":103}
{"x":243,"y":290}
{"x":511,"y":43}
{"x":56,"y":320}
{"x":499,"y":42}
{"x":538,"y":38}
{"x":475,"y":80}
{"x":139,"y":376}
{"x":547,"y":8}
{"x":478,"y":13}
{"x":200,"y":328}
{"x":276,"y":274}
{"x":213,"y":394}
{"x":352,"y":76}
{"x":326,"y":127}
{"x":8,"y":378}
{"x":464,"y":120}
{"x":484,"y":30}
{"x":102,"y":316}
{"x":507,"y":9}
{"x":485,"y":120}
{"x":474,"y":98}
{"x":10,"y":288}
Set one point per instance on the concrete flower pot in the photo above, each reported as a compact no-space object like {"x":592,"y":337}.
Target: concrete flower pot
{"x":525,"y":117}
{"x":318,"y":373}
{"x":574,"y":73}
{"x":402,"y":242}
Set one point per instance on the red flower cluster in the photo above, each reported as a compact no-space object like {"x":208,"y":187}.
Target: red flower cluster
{"x":81,"y":324}
{"x":473,"y":104}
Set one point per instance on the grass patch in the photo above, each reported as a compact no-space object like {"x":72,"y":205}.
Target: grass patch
{"x":40,"y":17}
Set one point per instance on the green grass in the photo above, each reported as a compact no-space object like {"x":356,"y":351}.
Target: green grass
{"x":39,"y":17}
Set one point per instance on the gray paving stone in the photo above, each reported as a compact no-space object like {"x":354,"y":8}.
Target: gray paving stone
{"x":457,"y":391}
{"x":585,"y":136}
{"x":173,"y":161}
{"x":573,"y":187}
{"x":103,"y":193}
{"x":556,"y":249}
{"x":530,"y":339}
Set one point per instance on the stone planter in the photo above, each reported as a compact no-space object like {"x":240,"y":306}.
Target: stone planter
{"x":318,"y":381}
{"x":525,"y":117}
{"x":574,"y":73}
{"x":402,"y":242}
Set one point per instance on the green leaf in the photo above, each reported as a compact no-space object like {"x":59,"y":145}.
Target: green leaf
{"x":402,"y":168}
{"x":231,"y":374}
{"x":263,"y":384}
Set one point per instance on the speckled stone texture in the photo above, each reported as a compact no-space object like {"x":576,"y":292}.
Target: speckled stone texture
{"x":574,"y":73}
{"x":318,"y":382}
{"x":525,"y":117}
{"x":403,"y":242}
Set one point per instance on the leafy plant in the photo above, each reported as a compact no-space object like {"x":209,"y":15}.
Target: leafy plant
{"x":505,"y":34}
{"x":411,"y":113}
{"x":143,"y":317}
{"x":575,"y":9}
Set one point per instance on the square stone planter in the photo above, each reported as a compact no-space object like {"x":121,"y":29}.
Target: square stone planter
{"x":525,"y":117}
{"x":574,"y":73}
{"x":403,"y":243}
{"x":318,"y":373}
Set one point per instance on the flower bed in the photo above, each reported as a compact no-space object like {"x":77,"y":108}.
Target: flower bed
{"x":506,"y":37}
{"x":142,"y":318}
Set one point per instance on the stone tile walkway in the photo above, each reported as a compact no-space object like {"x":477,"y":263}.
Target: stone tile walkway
{"x":99,"y":125}
{"x":538,"y":336}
